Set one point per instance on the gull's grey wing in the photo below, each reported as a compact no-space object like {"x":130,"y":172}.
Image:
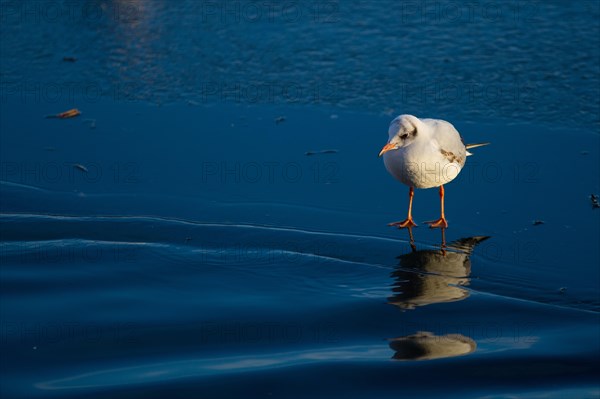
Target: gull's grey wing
{"x":449,"y":141}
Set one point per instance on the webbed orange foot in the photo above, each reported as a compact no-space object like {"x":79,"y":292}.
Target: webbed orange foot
{"x":408,"y":223}
{"x":441,"y":222}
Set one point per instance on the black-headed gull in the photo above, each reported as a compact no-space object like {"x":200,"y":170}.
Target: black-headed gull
{"x":424,"y":153}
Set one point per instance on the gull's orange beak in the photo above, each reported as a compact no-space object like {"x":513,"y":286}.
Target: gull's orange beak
{"x":387,"y":147}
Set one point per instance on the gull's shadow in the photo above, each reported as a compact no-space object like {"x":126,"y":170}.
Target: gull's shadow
{"x":429,"y":276}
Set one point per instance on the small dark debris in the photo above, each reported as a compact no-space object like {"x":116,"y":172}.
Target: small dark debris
{"x":562,"y":290}
{"x":81,"y":167}
{"x":595,"y":201}
{"x":309,"y":153}
{"x":584,"y":152}
{"x":69,"y":59}
{"x":279,"y":119}
{"x":188,"y":239}
{"x":538,"y":222}
{"x":65,"y":115}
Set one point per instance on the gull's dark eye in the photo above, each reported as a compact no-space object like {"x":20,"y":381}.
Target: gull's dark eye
{"x":405,"y":135}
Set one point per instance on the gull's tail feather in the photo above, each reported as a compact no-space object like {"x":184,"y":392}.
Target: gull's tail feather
{"x":469,"y":146}
{"x":474,"y":145}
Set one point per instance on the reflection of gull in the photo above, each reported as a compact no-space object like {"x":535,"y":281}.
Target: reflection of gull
{"x":433,"y":276}
{"x":427,"y":346}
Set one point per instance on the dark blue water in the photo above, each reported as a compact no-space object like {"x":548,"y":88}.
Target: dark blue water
{"x":176,"y":240}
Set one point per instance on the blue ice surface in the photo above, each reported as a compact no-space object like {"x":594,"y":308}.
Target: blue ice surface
{"x":183,"y":236}
{"x":203,"y":246}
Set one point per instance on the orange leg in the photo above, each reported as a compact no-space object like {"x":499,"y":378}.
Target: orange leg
{"x":409,"y":222}
{"x":441,"y":222}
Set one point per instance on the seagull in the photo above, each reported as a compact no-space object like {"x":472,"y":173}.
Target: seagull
{"x":424,"y":153}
